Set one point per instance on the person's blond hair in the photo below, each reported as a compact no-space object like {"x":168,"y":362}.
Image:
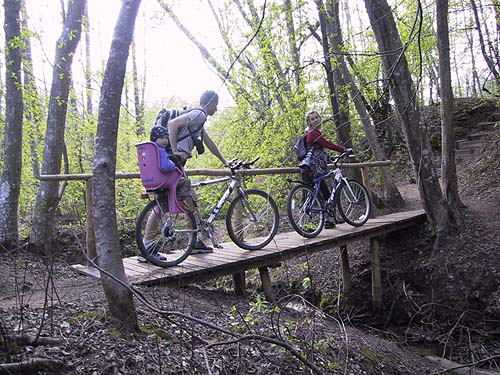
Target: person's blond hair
{"x":309,"y":113}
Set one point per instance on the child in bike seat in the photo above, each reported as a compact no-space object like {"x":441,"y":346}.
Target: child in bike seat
{"x":318,"y":157}
{"x":159,"y":135}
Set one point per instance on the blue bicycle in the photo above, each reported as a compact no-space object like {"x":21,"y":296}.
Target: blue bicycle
{"x":307,"y":209}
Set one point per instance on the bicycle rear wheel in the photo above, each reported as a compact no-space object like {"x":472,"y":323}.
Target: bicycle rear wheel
{"x":353,"y":203}
{"x":305,"y":211}
{"x":252,"y":219}
{"x":164,"y":239}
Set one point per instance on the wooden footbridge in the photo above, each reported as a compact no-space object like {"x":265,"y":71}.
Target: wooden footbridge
{"x":231,"y":260}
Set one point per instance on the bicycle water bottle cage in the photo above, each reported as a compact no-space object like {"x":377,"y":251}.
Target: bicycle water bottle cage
{"x":153,"y":178}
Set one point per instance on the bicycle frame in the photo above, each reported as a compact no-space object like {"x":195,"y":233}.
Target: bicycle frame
{"x":338,"y":178}
{"x":246,"y":213}
{"x":235,"y":184}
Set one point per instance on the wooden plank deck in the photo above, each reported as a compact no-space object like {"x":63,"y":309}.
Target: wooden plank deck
{"x":232,"y":259}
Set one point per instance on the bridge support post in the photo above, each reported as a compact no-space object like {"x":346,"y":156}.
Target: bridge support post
{"x":90,"y":236}
{"x":376,"y":274}
{"x":240,"y":285}
{"x":239,"y":278}
{"x":346,"y":270}
{"x":266,"y":284}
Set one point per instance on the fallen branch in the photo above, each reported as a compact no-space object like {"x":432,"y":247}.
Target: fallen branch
{"x":459,"y":369}
{"x":31,"y":366}
{"x":236,"y":337}
{"x":24,"y":340}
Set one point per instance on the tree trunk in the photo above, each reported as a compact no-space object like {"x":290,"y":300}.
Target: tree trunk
{"x":119,"y":297}
{"x":138,"y":96}
{"x":491,"y":61}
{"x":392,"y":195}
{"x":32,"y":106}
{"x":340,"y":115}
{"x":10,"y":183}
{"x":47,"y":198}
{"x":403,"y":92}
{"x":448,"y":166}
{"x":88,"y":67}
{"x":292,"y":43}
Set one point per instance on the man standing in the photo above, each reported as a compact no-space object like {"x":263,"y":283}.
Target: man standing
{"x":186,"y":132}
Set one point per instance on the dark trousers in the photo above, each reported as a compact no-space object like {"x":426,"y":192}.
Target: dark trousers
{"x":307,"y":176}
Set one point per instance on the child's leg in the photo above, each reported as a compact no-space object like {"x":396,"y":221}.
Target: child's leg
{"x":152,"y":225}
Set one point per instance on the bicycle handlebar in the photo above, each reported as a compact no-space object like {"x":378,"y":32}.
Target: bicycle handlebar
{"x":235,"y":164}
{"x":349,"y":153}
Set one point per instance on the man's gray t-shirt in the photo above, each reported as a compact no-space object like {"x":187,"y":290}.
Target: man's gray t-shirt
{"x":197,"y":117}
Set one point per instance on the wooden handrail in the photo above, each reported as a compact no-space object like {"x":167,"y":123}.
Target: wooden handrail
{"x":90,"y":240}
{"x":211,"y":172}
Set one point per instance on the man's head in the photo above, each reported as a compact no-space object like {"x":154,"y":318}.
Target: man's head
{"x":159,"y":135}
{"x":209,"y":101}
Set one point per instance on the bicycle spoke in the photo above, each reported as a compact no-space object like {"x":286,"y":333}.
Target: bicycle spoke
{"x":165,"y":239}
{"x":305,"y":211}
{"x":354,"y":203}
{"x":252,"y":220}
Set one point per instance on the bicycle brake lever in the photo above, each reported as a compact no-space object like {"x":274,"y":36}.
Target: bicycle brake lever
{"x":235,"y":166}
{"x":248,"y":164}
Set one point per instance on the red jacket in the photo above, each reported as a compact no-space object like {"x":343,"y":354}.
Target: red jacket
{"x":315,"y":138}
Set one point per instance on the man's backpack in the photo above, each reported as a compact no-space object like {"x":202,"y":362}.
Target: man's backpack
{"x":300,"y":148}
{"x":165,"y":115}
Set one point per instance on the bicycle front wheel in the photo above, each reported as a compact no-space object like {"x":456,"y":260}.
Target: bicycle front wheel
{"x":252,"y":219}
{"x":305,"y":211}
{"x":353,"y":203}
{"x":164,"y":239}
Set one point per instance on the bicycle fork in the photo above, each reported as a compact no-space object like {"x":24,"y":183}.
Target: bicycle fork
{"x":206,"y":227}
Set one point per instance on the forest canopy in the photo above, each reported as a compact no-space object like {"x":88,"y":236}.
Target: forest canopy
{"x":271,"y":61}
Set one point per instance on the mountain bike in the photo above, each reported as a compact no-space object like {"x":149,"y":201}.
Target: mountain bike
{"x":252,"y":217}
{"x":166,"y":233}
{"x":307,"y":209}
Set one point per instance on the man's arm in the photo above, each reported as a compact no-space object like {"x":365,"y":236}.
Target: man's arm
{"x":173,"y":128}
{"x":213,"y":148}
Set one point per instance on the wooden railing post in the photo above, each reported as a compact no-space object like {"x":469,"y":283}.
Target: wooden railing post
{"x":346,"y":270}
{"x":90,"y":235}
{"x":240,"y":284}
{"x":267,"y":286}
{"x":239,"y":279}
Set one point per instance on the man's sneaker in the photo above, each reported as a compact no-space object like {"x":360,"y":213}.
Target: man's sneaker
{"x":154,"y":247}
{"x":329,"y":225}
{"x":200,"y":247}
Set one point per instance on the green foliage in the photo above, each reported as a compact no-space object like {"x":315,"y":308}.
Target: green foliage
{"x":271,"y":90}
{"x":259,"y":308}
{"x":306,"y":282}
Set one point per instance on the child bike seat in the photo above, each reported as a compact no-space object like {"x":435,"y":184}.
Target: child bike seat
{"x":153,"y":178}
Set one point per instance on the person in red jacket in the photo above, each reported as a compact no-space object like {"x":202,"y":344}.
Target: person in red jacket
{"x":314,"y":136}
{"x":316,"y":142}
